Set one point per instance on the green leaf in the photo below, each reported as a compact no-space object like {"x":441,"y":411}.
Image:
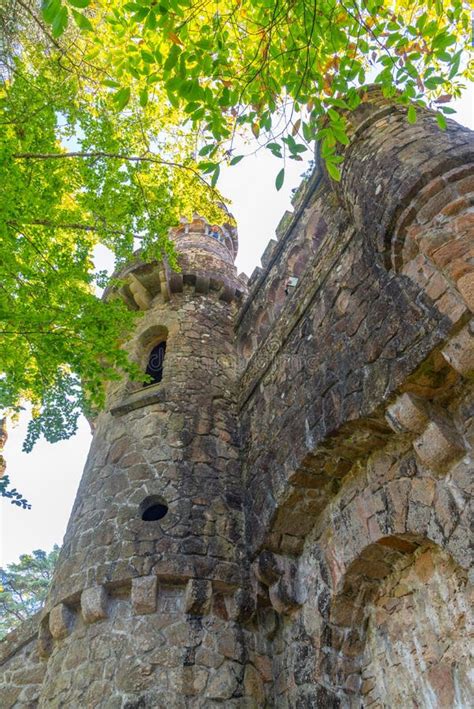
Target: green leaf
{"x":147,"y":57}
{"x":172,"y":57}
{"x":207,"y":167}
{"x":151,"y":21}
{"x":280,"y":178}
{"x":82,"y":21}
{"x":207,"y":149}
{"x":274,"y":147}
{"x":333,"y":171}
{"x":122,"y":97}
{"x":143,"y":97}
{"x":50,"y":9}
{"x":441,"y":120}
{"x":79,"y":3}
{"x":411,"y":115}
{"x":215,"y":176}
{"x":236,"y":160}
{"x":141,"y":13}
{"x":433,"y":82}
{"x":59,"y":23}
{"x":456,"y":60}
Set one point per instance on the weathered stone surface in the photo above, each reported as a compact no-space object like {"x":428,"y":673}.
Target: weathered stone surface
{"x":197,"y":600}
{"x":61,"y":621}
{"x":465,"y":285}
{"x":143,"y":596}
{"x":438,"y":445}
{"x":407,"y":413}
{"x":94,"y":604}
{"x":459,"y":352}
{"x":223,"y":684}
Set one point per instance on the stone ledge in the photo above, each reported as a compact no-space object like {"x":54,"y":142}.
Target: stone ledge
{"x":153,"y":394}
{"x":146,"y":595}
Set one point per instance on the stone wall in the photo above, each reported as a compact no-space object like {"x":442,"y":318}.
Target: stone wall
{"x":22,"y":668}
{"x":356,"y":418}
{"x":352,"y":331}
{"x":379,"y":611}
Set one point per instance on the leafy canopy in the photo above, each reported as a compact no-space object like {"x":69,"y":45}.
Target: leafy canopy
{"x":24,"y":586}
{"x":76,"y":174}
{"x":278,"y":66}
{"x":116,"y":118}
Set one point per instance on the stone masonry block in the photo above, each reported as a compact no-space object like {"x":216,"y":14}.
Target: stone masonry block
{"x":407,"y":413}
{"x":45,"y":640}
{"x":466,"y":287}
{"x":61,"y":620}
{"x":459,"y":352}
{"x":438,"y":446}
{"x":197,"y":600}
{"x":94,"y":604}
{"x":144,"y":595}
{"x":141,"y":295}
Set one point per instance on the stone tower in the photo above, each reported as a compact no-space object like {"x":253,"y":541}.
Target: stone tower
{"x":280,"y":517}
{"x":152,"y":556}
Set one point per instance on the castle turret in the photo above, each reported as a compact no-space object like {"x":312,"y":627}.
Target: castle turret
{"x":151,"y":564}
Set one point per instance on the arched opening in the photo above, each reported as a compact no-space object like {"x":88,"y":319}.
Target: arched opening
{"x":396,"y":630}
{"x":154,"y":367}
{"x":153,"y":508}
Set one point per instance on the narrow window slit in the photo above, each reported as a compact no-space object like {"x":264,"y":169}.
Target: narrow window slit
{"x":155,"y":363}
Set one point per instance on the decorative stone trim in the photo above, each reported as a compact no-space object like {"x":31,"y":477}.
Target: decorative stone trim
{"x":45,"y":639}
{"x":153,"y":394}
{"x":198,"y":597}
{"x":407,"y":413}
{"x":61,"y":621}
{"x":438,"y":446}
{"x":144,"y":595}
{"x":280,"y":575}
{"x":94,"y":604}
{"x":459,"y":352}
{"x":140,"y":294}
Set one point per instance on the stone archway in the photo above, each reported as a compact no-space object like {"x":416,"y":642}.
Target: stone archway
{"x":416,"y":645}
{"x":395,"y":627}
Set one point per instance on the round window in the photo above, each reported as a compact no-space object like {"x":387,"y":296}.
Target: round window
{"x":153,"y":508}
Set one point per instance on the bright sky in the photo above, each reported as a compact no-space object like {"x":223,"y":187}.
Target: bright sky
{"x":48,"y":476}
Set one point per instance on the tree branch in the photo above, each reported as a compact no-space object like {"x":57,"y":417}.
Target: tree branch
{"x":112,"y":156}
